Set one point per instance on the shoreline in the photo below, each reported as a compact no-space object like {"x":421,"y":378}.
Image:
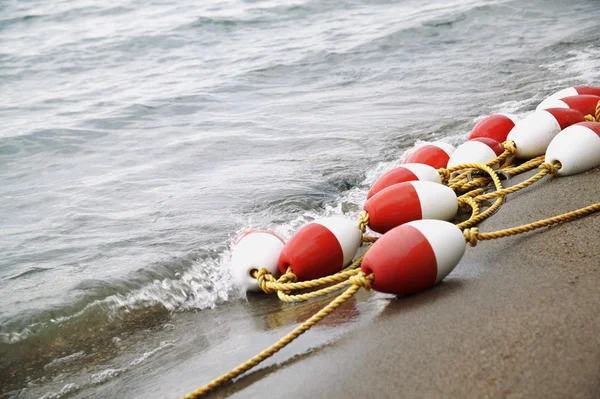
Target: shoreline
{"x":516,"y":318}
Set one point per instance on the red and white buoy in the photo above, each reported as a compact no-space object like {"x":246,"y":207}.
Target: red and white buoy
{"x":568,"y":92}
{"x":403,"y":173}
{"x":577,"y":148}
{"x":320,"y":248}
{"x":478,"y":150}
{"x":533,"y":134}
{"x":414,"y":256}
{"x":254,"y":250}
{"x":586,"y":103}
{"x":435,"y":155}
{"x":413,"y":200}
{"x":495,"y":127}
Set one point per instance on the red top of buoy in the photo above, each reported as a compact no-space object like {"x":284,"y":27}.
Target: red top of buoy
{"x":430,"y":154}
{"x":588,"y":90}
{"x":403,"y":262}
{"x":495,"y":127}
{"x":566,"y":116}
{"x":593,"y":126}
{"x":394,"y":176}
{"x":312,"y":252}
{"x":493,"y":144}
{"x":586,"y":103}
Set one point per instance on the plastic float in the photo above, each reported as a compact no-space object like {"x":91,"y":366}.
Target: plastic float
{"x":320,"y":248}
{"x":416,"y":251}
{"x":477,"y":150}
{"x":495,"y":127}
{"x":405,"y":202}
{"x":577,"y":148}
{"x":404,"y":173}
{"x":569,"y":92}
{"x":435,"y":155}
{"x":533,"y":134}
{"x":414,"y":256}
{"x":586,"y":104}
{"x":254,"y":250}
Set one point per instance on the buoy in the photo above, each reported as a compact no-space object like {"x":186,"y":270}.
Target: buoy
{"x":413,"y":200}
{"x":435,"y":155}
{"x":533,"y":134}
{"x":254,"y":250}
{"x":568,"y":92}
{"x":414,"y":256}
{"x":478,"y":150}
{"x":577,"y":148}
{"x":586,"y":103}
{"x":403,"y":173}
{"x":495,"y":127}
{"x":320,"y":248}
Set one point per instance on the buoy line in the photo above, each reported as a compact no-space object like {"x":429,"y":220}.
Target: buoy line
{"x":411,"y":207}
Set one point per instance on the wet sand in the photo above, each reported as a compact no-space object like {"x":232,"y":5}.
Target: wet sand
{"x":517,"y":318}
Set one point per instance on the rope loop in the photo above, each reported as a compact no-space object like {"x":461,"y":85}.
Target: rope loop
{"x":590,"y":118}
{"x":471,"y":236}
{"x":551,"y":168}
{"x":361,"y":280}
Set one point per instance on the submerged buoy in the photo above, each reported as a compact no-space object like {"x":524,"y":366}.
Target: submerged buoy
{"x":254,"y":250}
{"x":495,"y":127}
{"x":577,"y":148}
{"x":413,"y":200}
{"x":478,"y":150}
{"x":568,"y":92}
{"x":435,"y":155}
{"x":320,"y":248}
{"x":586,"y":104}
{"x":533,"y":134}
{"x":403,"y":173}
{"x":414,"y":256}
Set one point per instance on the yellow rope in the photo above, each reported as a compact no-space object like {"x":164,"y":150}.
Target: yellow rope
{"x":545,"y":168}
{"x":472,"y":236}
{"x":357,"y":281}
{"x":478,"y":218}
{"x":524,"y":167}
{"x":596,"y":118}
{"x":363,"y":221}
{"x":268,"y":284}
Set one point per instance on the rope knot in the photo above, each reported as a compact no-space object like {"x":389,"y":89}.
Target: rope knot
{"x":363,"y":221}
{"x":471,"y":236}
{"x":551,"y":168}
{"x":361,"y":280}
{"x":510,"y":146}
{"x":264,"y":277}
{"x":288,"y":277}
{"x":590,"y":118}
{"x":444,"y":174}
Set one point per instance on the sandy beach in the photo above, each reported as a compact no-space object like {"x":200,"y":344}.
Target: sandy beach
{"x":517,"y":318}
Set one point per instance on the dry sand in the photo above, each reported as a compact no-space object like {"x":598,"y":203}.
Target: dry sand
{"x":517,"y":318}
